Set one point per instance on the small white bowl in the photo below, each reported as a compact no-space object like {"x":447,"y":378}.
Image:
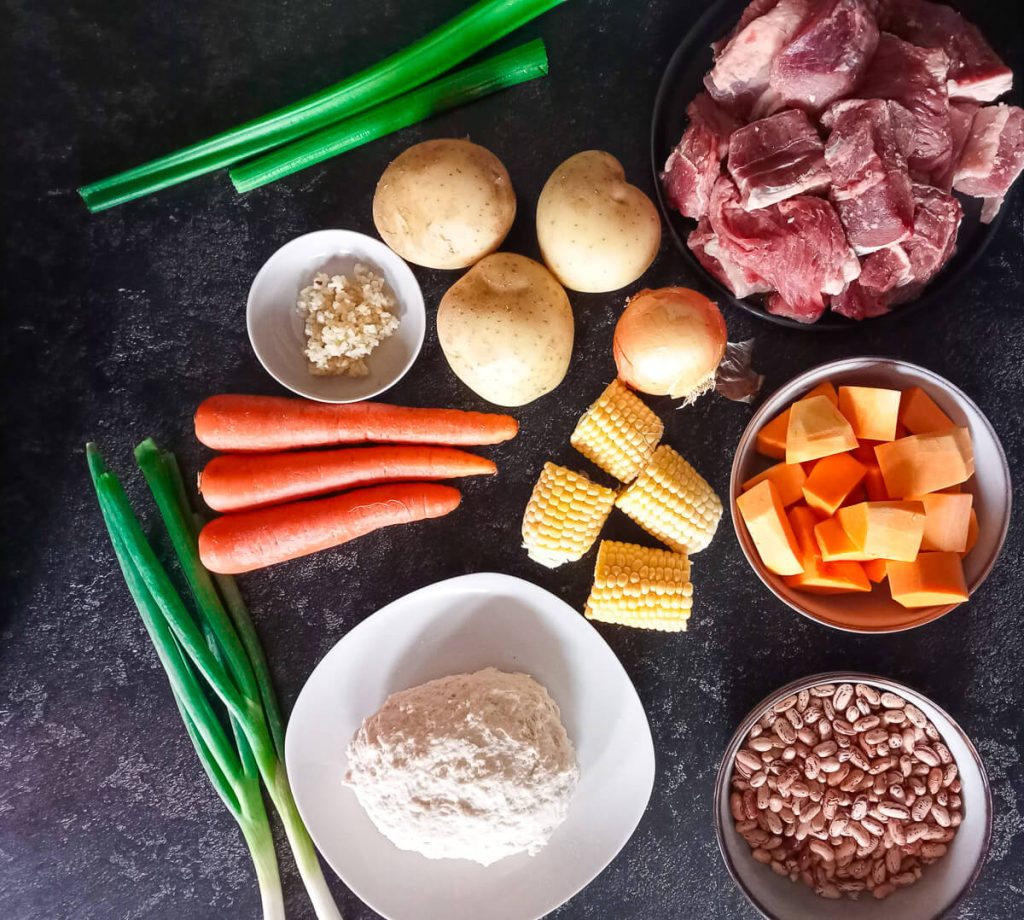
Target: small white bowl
{"x":452,"y":627}
{"x":276,"y":328}
{"x":943,"y":883}
{"x":877,"y":612}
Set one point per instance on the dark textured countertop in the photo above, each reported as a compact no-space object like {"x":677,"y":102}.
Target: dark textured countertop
{"x":117,"y":325}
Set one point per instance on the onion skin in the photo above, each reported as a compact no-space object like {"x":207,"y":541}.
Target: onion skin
{"x":669,"y":342}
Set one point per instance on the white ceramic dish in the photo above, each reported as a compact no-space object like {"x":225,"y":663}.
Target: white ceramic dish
{"x":462,"y":625}
{"x":276,"y":328}
{"x":877,"y":612}
{"x":943,"y":883}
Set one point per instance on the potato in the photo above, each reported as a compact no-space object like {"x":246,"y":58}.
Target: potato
{"x":444,"y":204}
{"x":596,"y":231}
{"x":506,"y":329}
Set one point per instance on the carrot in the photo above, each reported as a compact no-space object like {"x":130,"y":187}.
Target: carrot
{"x":255,"y":423}
{"x":250,"y":540}
{"x":234,"y":482}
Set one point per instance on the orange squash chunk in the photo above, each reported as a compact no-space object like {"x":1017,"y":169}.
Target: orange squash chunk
{"x":789,"y":479}
{"x":947,"y":518}
{"x":817,"y":429}
{"x":920,"y":415}
{"x":771,"y":439}
{"x":872,"y":411}
{"x":831,"y":481}
{"x":818,"y":576}
{"x":885,"y":530}
{"x":874,"y":484}
{"x":835,"y":544}
{"x":972,"y":532}
{"x":765,"y":516}
{"x":874,"y":569}
{"x":924,"y":463}
{"x":933,"y":579}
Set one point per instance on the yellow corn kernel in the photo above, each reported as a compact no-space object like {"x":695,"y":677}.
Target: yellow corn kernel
{"x":672,"y":502}
{"x":642,"y":587}
{"x":564,"y":516}
{"x":618,"y":432}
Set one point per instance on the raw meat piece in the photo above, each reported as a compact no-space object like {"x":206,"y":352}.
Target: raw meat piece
{"x":870,"y":182}
{"x":993,"y":156}
{"x":915,"y":79}
{"x":750,"y":13}
{"x":826,"y":58}
{"x":975,"y":70}
{"x":776,"y":158}
{"x":740,"y":74}
{"x":859,"y":302}
{"x":797,"y":246}
{"x":803,"y":312}
{"x":886,"y":269}
{"x":709,"y":252}
{"x":961,"y":117}
{"x":695,"y":163}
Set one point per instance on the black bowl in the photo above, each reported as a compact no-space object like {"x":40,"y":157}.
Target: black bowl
{"x":682,"y":81}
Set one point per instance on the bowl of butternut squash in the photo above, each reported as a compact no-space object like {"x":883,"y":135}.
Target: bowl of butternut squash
{"x":870,"y":494}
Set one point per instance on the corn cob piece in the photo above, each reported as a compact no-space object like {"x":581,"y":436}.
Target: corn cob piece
{"x":642,"y":587}
{"x":672,"y":502}
{"x":564,"y":516}
{"x":618,"y":432}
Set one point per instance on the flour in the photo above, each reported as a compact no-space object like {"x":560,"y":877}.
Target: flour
{"x":472,"y":766}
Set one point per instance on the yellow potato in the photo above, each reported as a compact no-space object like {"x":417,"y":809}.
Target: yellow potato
{"x":506,"y":328}
{"x":444,"y":203}
{"x":596,"y":231}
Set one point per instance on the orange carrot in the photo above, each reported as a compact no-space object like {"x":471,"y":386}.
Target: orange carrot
{"x":235,"y":482}
{"x":255,"y":423}
{"x":250,"y":540}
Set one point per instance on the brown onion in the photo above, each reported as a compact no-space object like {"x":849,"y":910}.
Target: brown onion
{"x":669,"y":342}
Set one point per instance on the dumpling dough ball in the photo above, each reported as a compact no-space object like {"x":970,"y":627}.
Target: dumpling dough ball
{"x":506,"y":328}
{"x":472,"y":766}
{"x":596,"y":231}
{"x":444,"y":204}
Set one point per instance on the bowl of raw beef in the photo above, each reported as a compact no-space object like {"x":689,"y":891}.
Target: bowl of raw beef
{"x":825,"y":162}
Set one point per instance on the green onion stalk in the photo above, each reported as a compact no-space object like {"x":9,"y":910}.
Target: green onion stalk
{"x":216,"y":650}
{"x":527,"y":62}
{"x":447,"y":46}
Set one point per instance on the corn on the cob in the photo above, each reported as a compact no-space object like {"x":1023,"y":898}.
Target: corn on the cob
{"x":618,"y":432}
{"x":642,"y":587}
{"x":672,"y":502}
{"x":564,"y":515}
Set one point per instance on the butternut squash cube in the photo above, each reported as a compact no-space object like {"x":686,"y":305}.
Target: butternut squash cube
{"x":818,"y":576}
{"x":789,"y":479}
{"x":835,"y":544}
{"x":885,"y":530}
{"x":920,"y":415}
{"x":871,"y":411}
{"x":924,"y":463}
{"x":765,"y":517}
{"x":931,"y":580}
{"x":831,"y":480}
{"x":875,"y":570}
{"x":817,"y":429}
{"x":874,"y":484}
{"x":771,"y":439}
{"x":947,"y":518}
{"x":972,"y":532}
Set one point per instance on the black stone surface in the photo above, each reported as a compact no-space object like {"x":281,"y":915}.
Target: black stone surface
{"x":117,"y":325}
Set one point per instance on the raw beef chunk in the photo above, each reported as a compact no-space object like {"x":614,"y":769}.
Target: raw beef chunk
{"x":961,"y":118}
{"x":741,"y":70}
{"x":975,"y":70}
{"x":915,"y":79}
{"x":776,"y":158}
{"x":993,"y":156}
{"x":709,"y":252}
{"x":695,"y":163}
{"x":827,"y":57}
{"x":797,"y":246}
{"x":870,"y":182}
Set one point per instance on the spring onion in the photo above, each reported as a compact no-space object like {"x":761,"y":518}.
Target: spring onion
{"x":205,"y":653}
{"x":527,"y":62}
{"x":479,"y":26}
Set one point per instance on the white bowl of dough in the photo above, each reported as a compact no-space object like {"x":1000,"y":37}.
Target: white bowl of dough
{"x":277,"y":327}
{"x":461,"y":627}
